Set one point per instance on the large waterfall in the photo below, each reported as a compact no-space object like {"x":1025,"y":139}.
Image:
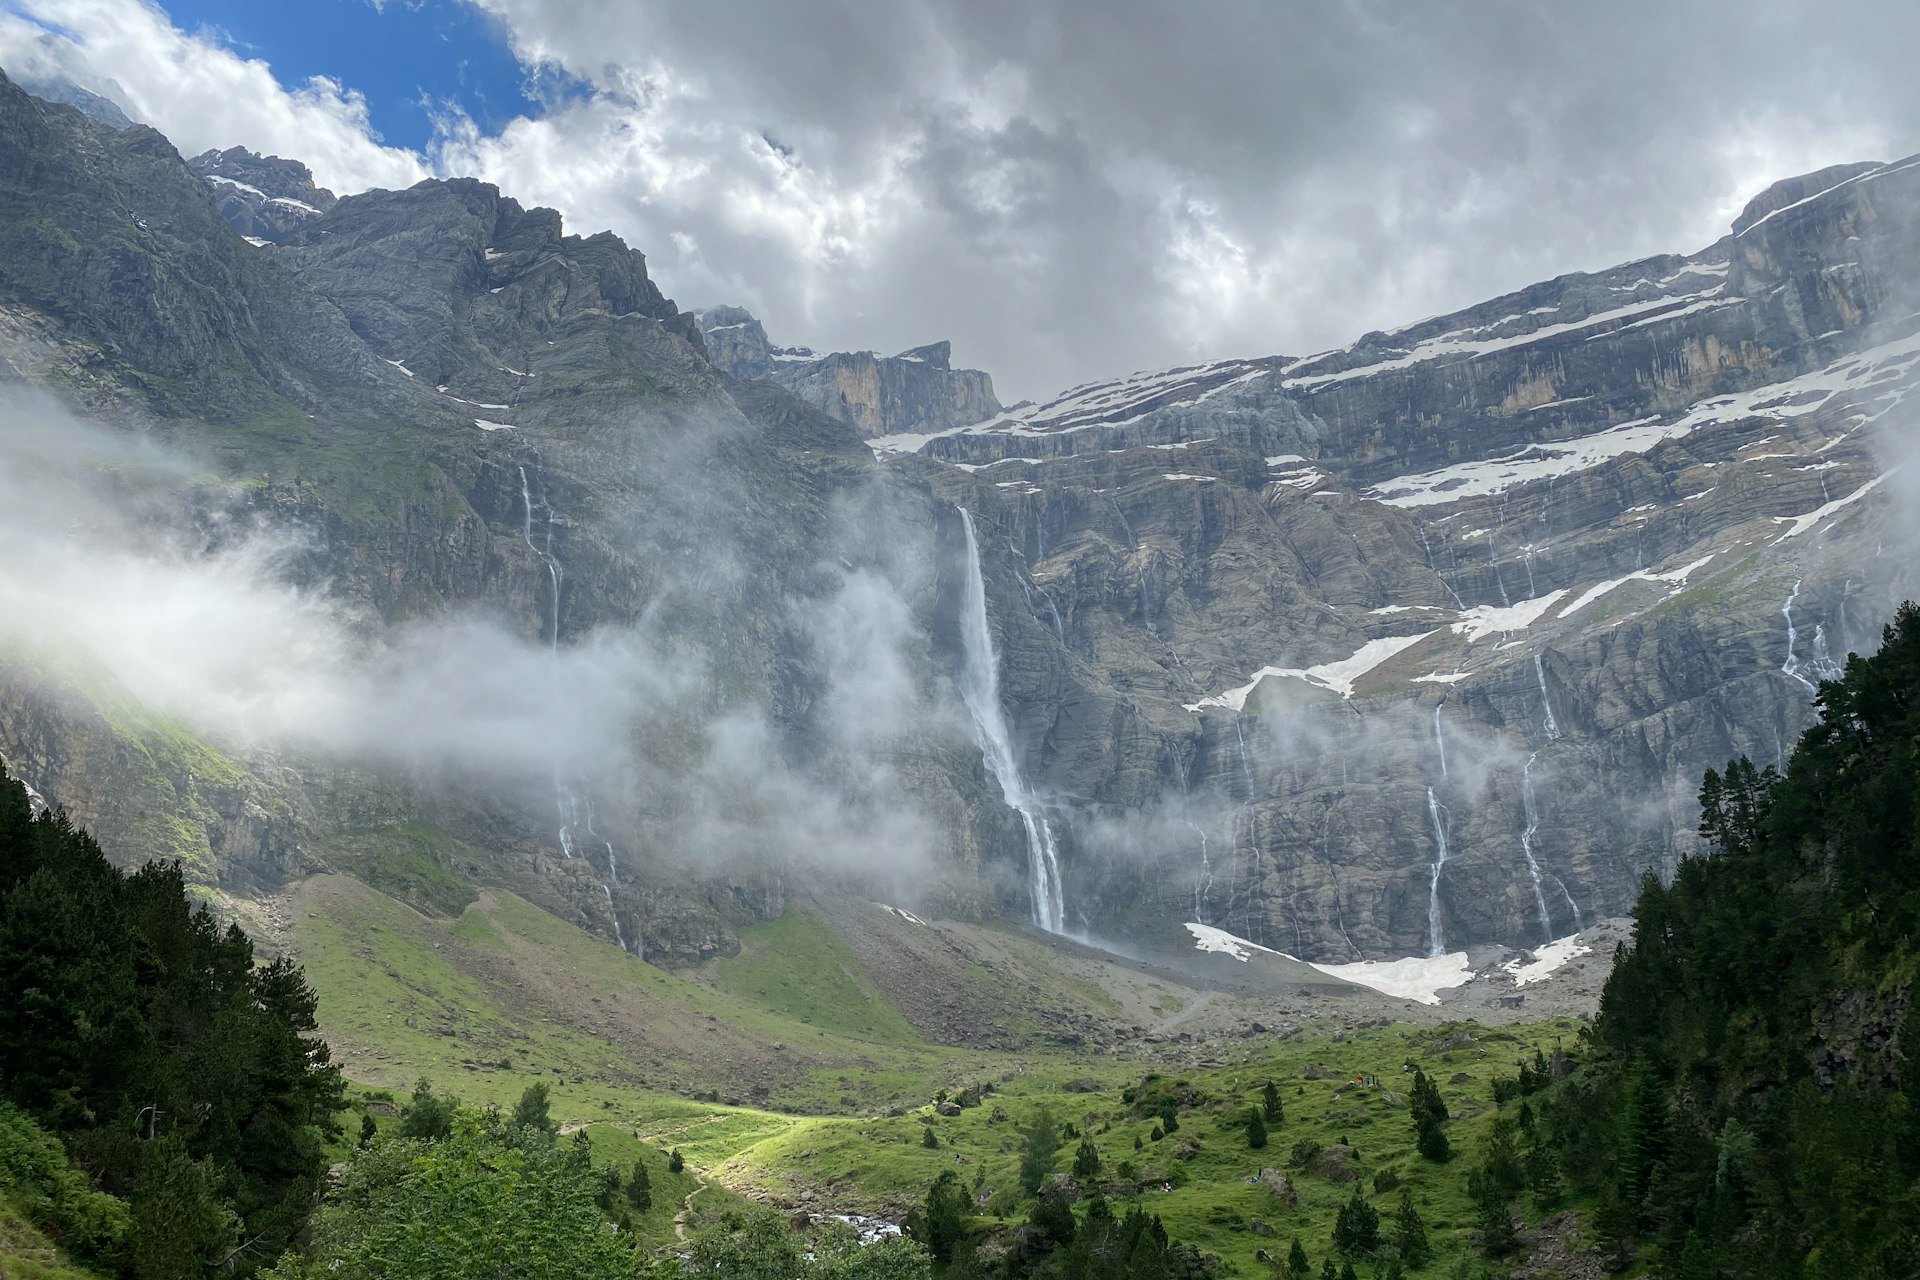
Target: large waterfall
{"x":1436,"y":939}
{"x":980,"y":690}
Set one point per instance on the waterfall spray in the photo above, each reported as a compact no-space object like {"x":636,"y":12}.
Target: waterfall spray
{"x":1791,"y":667}
{"x":1439,"y":741}
{"x":568,"y":804}
{"x":1526,"y":848}
{"x":980,"y":691}
{"x":1540,"y":674}
{"x":1436,"y":940}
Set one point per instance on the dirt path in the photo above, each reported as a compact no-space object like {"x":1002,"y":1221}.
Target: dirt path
{"x":686,"y":1207}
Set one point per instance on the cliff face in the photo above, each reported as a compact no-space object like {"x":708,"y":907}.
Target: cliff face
{"x":917,"y":390}
{"x":1491,"y":590}
{"x":1420,"y":642}
{"x":467,"y":412}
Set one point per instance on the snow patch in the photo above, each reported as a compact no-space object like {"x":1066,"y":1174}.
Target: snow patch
{"x":1484,"y":620}
{"x":1416,"y":978}
{"x":484,"y":425}
{"x":1337,"y":676}
{"x":1676,"y":577}
{"x":401,"y":367}
{"x":1545,"y":960}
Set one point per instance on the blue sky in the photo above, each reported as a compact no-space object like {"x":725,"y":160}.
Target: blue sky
{"x":407,"y":57}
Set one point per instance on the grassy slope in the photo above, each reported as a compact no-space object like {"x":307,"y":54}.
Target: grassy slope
{"x":622,"y":1044}
{"x":27,"y":1254}
{"x":881,"y":1164}
{"x":797,"y":967}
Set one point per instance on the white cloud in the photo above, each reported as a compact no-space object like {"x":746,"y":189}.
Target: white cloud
{"x":202,"y":94}
{"x":1067,"y":190}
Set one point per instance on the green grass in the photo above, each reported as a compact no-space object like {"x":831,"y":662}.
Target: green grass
{"x":397,"y":996}
{"x":798,"y":967}
{"x":880,"y":1164}
{"x":27,"y":1254}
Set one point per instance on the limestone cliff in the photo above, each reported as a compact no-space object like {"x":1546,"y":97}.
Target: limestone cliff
{"x":1427,"y":640}
{"x":917,"y":390}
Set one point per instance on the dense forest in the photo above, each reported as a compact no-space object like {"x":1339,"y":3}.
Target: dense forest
{"x":1750,"y":1108}
{"x":164,"y":1101}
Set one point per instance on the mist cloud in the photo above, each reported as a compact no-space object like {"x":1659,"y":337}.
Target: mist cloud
{"x":109,"y":588}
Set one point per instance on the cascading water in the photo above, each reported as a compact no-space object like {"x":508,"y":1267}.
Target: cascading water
{"x":1439,"y":741}
{"x":1526,"y":848}
{"x":1436,"y":940}
{"x":1203,"y":885}
{"x":980,"y":691}
{"x":568,"y":804}
{"x":1540,"y":674}
{"x":612,"y":881}
{"x":1823,"y":664}
{"x":1791,"y":667}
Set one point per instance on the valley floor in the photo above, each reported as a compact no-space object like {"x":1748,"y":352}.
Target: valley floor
{"x":806,"y":1070}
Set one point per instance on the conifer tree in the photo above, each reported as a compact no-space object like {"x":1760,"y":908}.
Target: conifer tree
{"x":1270,"y":1109}
{"x":1086,"y":1161}
{"x":928,"y":1139}
{"x":1298,"y":1268}
{"x":1036,"y":1155}
{"x":1256,"y":1129}
{"x":532,"y":1111}
{"x":1410,"y":1233}
{"x":675,"y":1164}
{"x":1357,"y":1228}
{"x":639,"y":1190}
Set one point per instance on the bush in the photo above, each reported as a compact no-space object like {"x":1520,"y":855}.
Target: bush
{"x":53,"y":1195}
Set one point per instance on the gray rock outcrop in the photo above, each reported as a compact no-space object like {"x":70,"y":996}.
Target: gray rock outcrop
{"x":916,"y":391}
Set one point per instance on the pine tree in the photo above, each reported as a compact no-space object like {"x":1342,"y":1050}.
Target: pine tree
{"x":1543,"y":1178}
{"x":1298,"y":1268}
{"x":1256,"y":1129}
{"x":1169,"y":1119}
{"x":1410,"y":1233}
{"x":674,"y":1162}
{"x":531,"y":1112}
{"x":1429,"y":1117}
{"x":942,"y":1222}
{"x":1270,"y":1107}
{"x":368,"y":1130}
{"x":928,"y":1139}
{"x":1497,"y":1233}
{"x":1347,"y":1272}
{"x":1357,"y":1228}
{"x":1329,"y":1269}
{"x":1086,"y":1161}
{"x":639,"y":1190}
{"x":1036,"y":1156}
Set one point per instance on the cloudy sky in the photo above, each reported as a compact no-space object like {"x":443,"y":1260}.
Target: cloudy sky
{"x":1068,"y":189}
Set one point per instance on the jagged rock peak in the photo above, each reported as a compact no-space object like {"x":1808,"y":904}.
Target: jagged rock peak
{"x":57,"y":88}
{"x":264,"y":198}
{"x":917,"y":390}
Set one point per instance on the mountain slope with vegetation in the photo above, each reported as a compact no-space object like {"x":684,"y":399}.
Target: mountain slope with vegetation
{"x":1752,"y":1109}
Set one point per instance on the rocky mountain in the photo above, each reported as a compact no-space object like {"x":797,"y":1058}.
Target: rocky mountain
{"x":1394,"y":649}
{"x":262,"y":197}
{"x":1427,"y":640}
{"x":917,"y":390}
